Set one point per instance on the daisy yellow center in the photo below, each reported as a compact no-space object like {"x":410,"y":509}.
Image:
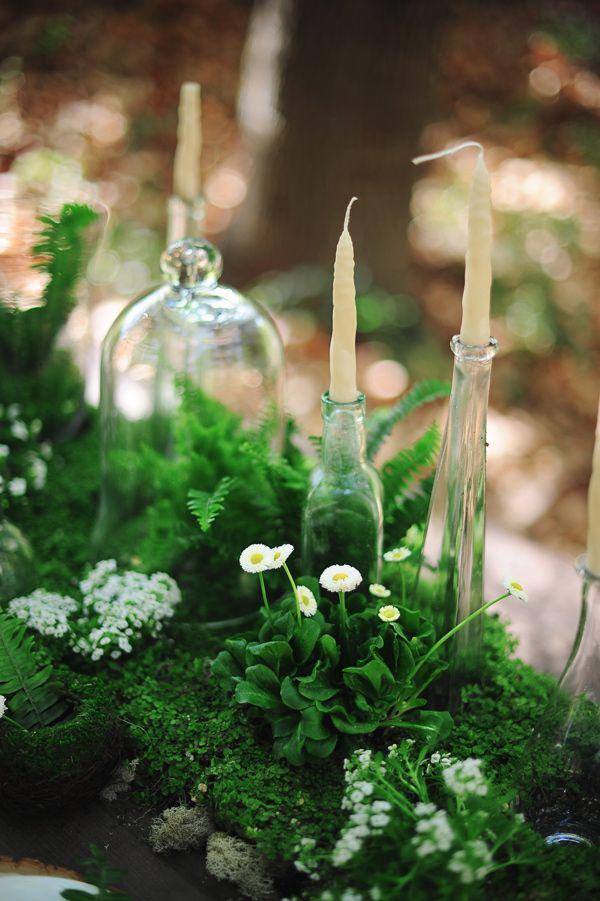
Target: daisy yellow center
{"x":517,"y":586}
{"x":257,"y":557}
{"x":276,"y":555}
{"x":340,"y":577}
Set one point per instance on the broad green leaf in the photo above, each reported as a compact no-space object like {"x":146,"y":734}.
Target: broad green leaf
{"x":291,"y":697}
{"x":290,"y":748}
{"x":264,"y":678}
{"x":248,"y":693}
{"x":314,"y":725}
{"x":321,"y":749}
{"x":277,"y":655}
{"x":305,"y":638}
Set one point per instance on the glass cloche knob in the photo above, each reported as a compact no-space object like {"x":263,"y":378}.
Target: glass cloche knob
{"x":192,"y":263}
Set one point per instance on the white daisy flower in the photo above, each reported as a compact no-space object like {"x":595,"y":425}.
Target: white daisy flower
{"x":256,"y":558}
{"x":379,"y":591}
{"x":389,"y":613}
{"x":516,"y":589}
{"x":2,"y":706}
{"x":307,"y":601}
{"x":280,"y":555}
{"x":340,"y":577}
{"x":397,"y":555}
{"x":17,"y":487}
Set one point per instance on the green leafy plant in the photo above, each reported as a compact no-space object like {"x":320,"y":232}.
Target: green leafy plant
{"x":34,"y":697}
{"x":319,"y":681}
{"x":383,"y":420}
{"x":33,"y":373}
{"x":98,"y":872}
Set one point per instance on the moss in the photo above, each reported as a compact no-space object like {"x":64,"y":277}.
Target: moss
{"x":189,"y":734}
{"x":67,"y":762}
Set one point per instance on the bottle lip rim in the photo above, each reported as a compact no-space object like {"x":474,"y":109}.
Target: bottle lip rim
{"x":359,"y":402}
{"x":583,"y":570}
{"x":477,"y":353}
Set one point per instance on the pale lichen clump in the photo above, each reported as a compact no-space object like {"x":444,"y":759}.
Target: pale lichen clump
{"x":232,"y":859}
{"x":180,"y":829}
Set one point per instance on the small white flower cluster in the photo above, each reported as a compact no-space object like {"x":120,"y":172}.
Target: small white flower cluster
{"x":464,"y":777}
{"x":115,"y":608}
{"x":2,"y":706}
{"x":46,"y":612}
{"x":368,"y":814}
{"x":472,"y":862}
{"x":29,"y":463}
{"x":123,"y":604}
{"x":437,"y":759}
{"x":434,"y":832}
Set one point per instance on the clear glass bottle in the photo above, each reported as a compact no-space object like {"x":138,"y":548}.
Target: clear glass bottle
{"x":565,"y":806}
{"x":343,"y":517}
{"x":191,"y":329}
{"x":450,"y":578}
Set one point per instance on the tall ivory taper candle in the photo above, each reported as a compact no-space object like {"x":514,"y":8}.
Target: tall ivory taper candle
{"x":342,"y":352}
{"x":475,"y":326}
{"x":593,"y":538}
{"x":186,"y":174}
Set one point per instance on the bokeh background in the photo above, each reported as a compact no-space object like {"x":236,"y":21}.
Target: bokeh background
{"x":304,"y":105}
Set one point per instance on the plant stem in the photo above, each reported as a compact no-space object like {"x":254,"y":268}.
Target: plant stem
{"x":295,"y":590}
{"x":403,"y":583}
{"x":9,"y":719}
{"x":261,"y":579}
{"x":343,"y":614}
{"x":456,"y":628}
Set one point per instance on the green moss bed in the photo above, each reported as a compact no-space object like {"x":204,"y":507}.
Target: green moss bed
{"x":194,"y":742}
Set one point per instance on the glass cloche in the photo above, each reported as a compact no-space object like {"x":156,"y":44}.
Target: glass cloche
{"x":189,"y":331}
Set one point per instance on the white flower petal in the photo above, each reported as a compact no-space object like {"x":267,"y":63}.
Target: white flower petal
{"x":280,"y":555}
{"x":340,"y":577}
{"x":256,"y":558}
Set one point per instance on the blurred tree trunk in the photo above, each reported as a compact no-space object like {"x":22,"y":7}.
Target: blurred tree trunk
{"x":351,"y":81}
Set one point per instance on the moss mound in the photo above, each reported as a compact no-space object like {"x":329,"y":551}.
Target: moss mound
{"x":65,"y":763}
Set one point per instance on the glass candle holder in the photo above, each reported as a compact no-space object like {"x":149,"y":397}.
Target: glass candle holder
{"x":566,"y":743}
{"x":450,"y":577}
{"x":189,"y":331}
{"x":343,"y":516}
{"x":16,"y":562}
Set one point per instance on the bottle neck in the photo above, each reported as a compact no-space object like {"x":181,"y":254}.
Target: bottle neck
{"x":344,"y":441}
{"x":185,"y":219}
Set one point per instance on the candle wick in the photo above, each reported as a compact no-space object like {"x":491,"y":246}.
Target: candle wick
{"x":347,"y":216}
{"x":447,"y":152}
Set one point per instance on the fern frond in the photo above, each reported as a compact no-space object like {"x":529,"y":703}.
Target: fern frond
{"x":206,"y":507}
{"x":33,"y":698}
{"x":383,"y":420}
{"x":400,"y":473}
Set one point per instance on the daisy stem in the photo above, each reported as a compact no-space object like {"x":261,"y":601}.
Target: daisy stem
{"x":456,"y":629}
{"x":295,"y":590}
{"x":263,"y":590}
{"x":403,"y":583}
{"x":9,"y":719}
{"x":343,"y":614}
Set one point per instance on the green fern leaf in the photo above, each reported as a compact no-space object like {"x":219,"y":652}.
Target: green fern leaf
{"x":206,"y":507}
{"x":400,"y":473}
{"x":383,"y":420}
{"x":33,"y":698}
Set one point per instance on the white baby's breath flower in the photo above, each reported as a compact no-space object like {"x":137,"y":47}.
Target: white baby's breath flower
{"x":17,"y":487}
{"x":389,"y":613}
{"x":4,"y":451}
{"x":256,"y":558}
{"x":397,"y":555}
{"x":13,"y":410}
{"x":2,"y":706}
{"x":379,"y":591}
{"x":19,"y":430}
{"x":280,"y":555}
{"x":516,"y":589}
{"x":307,"y":601}
{"x":340,"y":577}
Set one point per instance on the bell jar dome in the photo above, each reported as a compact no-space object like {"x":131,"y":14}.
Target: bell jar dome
{"x":189,"y":332}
